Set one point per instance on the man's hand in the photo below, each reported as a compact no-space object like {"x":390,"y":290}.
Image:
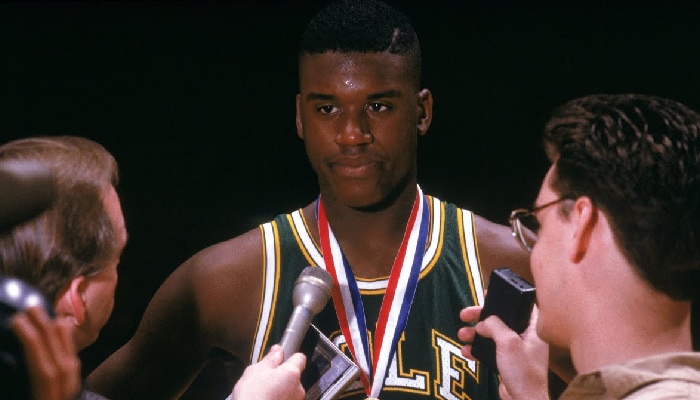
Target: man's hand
{"x":522,"y":359}
{"x":272,"y":379}
{"x":50,"y":355}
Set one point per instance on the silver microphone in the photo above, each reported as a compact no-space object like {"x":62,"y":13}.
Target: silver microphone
{"x":311,"y":293}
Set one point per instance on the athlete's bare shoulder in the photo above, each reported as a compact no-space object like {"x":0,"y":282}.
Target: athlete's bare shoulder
{"x":226,"y":281}
{"x":497,"y":248}
{"x":208,"y":302}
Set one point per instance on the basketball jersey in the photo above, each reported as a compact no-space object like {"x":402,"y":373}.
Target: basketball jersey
{"x":428,"y":362}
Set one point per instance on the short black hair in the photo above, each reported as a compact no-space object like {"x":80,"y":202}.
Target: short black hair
{"x":364,"y":26}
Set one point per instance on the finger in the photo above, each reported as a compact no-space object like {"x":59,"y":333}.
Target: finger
{"x":59,"y":362}
{"x":466,"y":334}
{"x":36,"y":356}
{"x":467,"y":352}
{"x":51,"y":339}
{"x":531,"y":329}
{"x":274,"y":357}
{"x":492,"y":327}
{"x":28,"y":329}
{"x":297,"y":361}
{"x":70,"y":366}
{"x":534,"y":316}
{"x":470,"y":314}
{"x":48,"y":331}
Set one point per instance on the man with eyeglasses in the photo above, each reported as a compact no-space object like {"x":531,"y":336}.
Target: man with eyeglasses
{"x":614,"y":237}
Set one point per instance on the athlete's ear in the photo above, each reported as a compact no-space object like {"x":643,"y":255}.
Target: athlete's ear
{"x":300,"y":128}
{"x":425,"y":111}
{"x":70,"y":302}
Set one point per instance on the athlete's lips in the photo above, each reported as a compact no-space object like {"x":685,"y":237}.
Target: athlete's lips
{"x":353,"y":166}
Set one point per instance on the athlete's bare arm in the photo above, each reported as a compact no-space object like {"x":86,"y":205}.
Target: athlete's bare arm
{"x":210,"y":302}
{"x":497,"y":248}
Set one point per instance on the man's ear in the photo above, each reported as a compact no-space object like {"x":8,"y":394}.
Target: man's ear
{"x":300,"y":130}
{"x":71,"y":302}
{"x":425,"y":110}
{"x":584,"y":217}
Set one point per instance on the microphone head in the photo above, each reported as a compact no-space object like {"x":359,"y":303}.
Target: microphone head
{"x":312,"y":289}
{"x":26,"y":189}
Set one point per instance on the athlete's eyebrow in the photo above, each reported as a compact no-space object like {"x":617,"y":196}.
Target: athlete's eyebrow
{"x":319,"y":96}
{"x":393,"y":93}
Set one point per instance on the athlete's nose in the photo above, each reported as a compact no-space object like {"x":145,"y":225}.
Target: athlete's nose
{"x":354,"y":130}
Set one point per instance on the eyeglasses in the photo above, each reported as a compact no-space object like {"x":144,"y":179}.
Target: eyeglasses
{"x":524,"y":217}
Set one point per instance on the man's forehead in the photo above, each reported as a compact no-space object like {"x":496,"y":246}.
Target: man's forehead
{"x":332,"y":67}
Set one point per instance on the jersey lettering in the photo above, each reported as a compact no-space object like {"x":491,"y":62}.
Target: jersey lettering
{"x":453,"y":369}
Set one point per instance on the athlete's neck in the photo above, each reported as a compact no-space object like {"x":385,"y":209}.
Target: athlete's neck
{"x":371,"y":239}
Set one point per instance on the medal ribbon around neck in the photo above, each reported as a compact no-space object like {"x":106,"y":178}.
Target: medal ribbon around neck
{"x":397,"y":301}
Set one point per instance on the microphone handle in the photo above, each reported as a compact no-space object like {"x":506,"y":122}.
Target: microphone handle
{"x":295,"y":331}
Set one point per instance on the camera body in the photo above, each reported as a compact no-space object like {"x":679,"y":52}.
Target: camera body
{"x":15,"y":296}
{"x":511,"y":299}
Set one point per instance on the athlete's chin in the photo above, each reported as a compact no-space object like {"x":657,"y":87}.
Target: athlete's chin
{"x":360,"y":194}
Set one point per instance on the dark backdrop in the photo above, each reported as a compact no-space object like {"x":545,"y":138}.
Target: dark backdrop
{"x":196,"y":101}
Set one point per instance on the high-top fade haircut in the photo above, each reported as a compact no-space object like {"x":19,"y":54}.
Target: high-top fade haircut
{"x":638,"y":158}
{"x":362,"y":26}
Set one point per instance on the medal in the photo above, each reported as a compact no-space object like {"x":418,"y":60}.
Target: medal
{"x":393,"y":314}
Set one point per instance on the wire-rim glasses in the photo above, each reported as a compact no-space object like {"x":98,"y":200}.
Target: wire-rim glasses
{"x":524,"y":217}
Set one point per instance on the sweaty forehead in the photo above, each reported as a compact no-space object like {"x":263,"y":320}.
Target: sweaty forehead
{"x":338,"y":70}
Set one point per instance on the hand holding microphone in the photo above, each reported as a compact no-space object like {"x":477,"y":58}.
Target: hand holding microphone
{"x":272,"y":378}
{"x":278,"y":374}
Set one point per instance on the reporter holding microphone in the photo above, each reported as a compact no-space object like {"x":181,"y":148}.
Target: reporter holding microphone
{"x":615,"y":256}
{"x":283,"y":364}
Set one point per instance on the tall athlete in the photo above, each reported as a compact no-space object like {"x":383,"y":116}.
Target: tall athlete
{"x":412,"y":261}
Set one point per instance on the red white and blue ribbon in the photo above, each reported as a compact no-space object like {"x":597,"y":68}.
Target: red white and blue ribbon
{"x":397,"y":301}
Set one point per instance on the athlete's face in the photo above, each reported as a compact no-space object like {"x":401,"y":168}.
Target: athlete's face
{"x":360,"y":115}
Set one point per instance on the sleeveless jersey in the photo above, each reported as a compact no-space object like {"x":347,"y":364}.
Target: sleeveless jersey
{"x":427,"y":362}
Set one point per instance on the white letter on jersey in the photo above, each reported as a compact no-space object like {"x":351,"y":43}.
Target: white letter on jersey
{"x":449,"y":384}
{"x":397,"y":376}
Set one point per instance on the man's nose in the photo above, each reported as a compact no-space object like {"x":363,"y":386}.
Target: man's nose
{"x":354,"y":130}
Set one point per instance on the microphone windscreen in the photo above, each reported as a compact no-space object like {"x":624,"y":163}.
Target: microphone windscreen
{"x":312,"y":289}
{"x":26,"y":189}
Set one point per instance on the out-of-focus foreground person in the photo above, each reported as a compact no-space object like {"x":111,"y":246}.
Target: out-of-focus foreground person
{"x":70,"y":253}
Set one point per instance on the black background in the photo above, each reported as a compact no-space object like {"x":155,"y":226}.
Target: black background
{"x":196,"y":102}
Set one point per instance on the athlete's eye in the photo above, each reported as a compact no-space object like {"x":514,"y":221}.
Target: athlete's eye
{"x":327,"y":109}
{"x":377,"y":107}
